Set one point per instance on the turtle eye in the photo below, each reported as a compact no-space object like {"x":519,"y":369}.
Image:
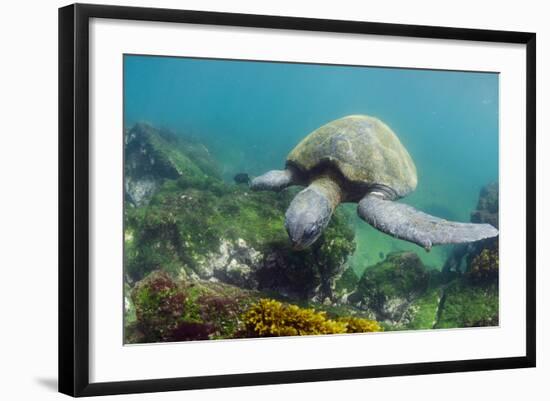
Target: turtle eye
{"x":310,"y":231}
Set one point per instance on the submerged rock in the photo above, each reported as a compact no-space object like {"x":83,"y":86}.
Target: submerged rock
{"x":487,"y":206}
{"x":234,"y":263}
{"x":462,"y":257}
{"x":309,"y":274}
{"x":153,"y":156}
{"x":471,"y":297}
{"x":483,"y":268}
{"x":185,"y":220}
{"x":466,"y":305}
{"x":209,"y":230}
{"x":169,"y":309}
{"x":346,"y":284}
{"x":483,"y":258}
{"x":399,"y":291}
{"x":159,"y":304}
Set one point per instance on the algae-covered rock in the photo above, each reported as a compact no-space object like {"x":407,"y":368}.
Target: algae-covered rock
{"x":400,"y":292}
{"x":346,"y":283}
{"x":211,"y":230}
{"x":466,"y":305}
{"x":171,"y":309}
{"x":466,"y":257}
{"x":389,"y":286}
{"x":483,"y":268}
{"x":159,"y":305}
{"x":483,"y":258}
{"x":153,"y":155}
{"x":214,"y":307}
{"x":182,"y":218}
{"x":487,"y":206}
{"x":311,"y":273}
{"x":470,"y":295}
{"x":233,"y":263}
{"x":422,"y":312}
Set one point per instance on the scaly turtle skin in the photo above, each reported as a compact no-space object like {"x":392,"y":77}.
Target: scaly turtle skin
{"x":359,"y":159}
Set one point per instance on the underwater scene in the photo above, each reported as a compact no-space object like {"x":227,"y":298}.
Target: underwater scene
{"x":266,"y":199}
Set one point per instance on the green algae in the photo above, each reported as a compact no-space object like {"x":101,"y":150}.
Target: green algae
{"x":188,"y":219}
{"x":400,"y":275}
{"x":424,"y":309}
{"x":347,"y":282}
{"x":465,"y":305}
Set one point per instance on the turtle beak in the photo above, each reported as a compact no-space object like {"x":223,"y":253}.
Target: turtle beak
{"x":294,"y":235}
{"x":296,"y":246}
{"x":301,"y":236}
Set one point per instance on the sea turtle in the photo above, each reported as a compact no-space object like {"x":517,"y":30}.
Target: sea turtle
{"x":358,"y":158}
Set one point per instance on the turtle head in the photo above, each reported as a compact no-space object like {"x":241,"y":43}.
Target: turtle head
{"x":306,"y":217}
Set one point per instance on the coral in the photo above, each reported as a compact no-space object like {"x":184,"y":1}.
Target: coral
{"x":159,"y":304}
{"x":484,"y":267}
{"x":271,"y":318}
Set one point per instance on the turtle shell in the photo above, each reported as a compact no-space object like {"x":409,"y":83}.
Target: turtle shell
{"x":364,"y":150}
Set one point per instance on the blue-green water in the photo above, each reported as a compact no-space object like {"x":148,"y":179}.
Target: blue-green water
{"x":251,"y":114}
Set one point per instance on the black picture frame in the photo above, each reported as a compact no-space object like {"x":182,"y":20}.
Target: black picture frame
{"x":74,"y":198}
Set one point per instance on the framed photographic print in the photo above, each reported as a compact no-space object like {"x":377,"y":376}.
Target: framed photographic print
{"x":250,"y":199}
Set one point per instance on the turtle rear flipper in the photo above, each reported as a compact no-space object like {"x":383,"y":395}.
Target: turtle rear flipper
{"x":405,"y":222}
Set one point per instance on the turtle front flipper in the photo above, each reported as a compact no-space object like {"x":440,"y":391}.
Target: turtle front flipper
{"x":407,"y":223}
{"x":274,"y":180}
